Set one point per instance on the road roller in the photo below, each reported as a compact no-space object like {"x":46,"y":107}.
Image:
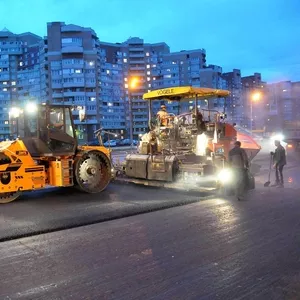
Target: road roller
{"x":45,"y":153}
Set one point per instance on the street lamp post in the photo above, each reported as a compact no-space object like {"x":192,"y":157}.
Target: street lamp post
{"x":132,"y":85}
{"x":254,"y":98}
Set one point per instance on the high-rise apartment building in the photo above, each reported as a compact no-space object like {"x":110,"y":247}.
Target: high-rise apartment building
{"x":112,"y":92}
{"x":73,"y":72}
{"x":130,"y":60}
{"x":234,"y":104}
{"x":254,"y":110}
{"x":283,"y":105}
{"x":19,"y":74}
{"x":178,"y":69}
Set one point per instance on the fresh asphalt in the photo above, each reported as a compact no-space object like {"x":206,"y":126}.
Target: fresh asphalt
{"x":62,"y":244}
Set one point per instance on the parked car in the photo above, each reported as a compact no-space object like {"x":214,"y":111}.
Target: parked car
{"x":111,"y":143}
{"x":125,"y":142}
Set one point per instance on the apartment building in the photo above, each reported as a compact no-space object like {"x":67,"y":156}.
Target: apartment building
{"x":72,"y":62}
{"x":130,"y":60}
{"x":19,"y":56}
{"x":112,"y":92}
{"x":283,"y":105}
{"x":234,"y":104}
{"x":254,"y":113}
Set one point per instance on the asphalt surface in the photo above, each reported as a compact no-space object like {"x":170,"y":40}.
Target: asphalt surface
{"x":213,"y":248}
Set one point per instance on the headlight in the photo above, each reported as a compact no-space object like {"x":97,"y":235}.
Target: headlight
{"x":225,"y":175}
{"x":278,"y":137}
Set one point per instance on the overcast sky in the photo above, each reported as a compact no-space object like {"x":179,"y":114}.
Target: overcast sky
{"x":254,"y":36}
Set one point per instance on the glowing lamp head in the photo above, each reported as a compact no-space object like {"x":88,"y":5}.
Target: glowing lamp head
{"x":15,"y":112}
{"x":256,"y":96}
{"x":31,"y":108}
{"x":133,"y":83}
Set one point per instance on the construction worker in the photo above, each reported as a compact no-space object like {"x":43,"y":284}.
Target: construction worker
{"x":239,"y":163}
{"x":163,"y":116}
{"x":279,"y":161}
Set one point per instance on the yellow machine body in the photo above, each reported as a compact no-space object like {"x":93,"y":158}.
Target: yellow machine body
{"x":19,"y":171}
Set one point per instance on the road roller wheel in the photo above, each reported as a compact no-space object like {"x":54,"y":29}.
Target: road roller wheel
{"x":92,"y":172}
{"x":9,"y":197}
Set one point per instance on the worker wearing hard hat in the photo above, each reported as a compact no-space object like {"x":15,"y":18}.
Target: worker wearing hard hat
{"x":163,"y":116}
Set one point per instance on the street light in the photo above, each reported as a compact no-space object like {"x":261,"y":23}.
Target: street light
{"x":133,"y":83}
{"x":14,"y":114}
{"x":256,"y":96}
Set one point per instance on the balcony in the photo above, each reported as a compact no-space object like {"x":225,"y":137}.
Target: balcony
{"x":139,"y":68}
{"x":57,"y":85}
{"x":72,"y":94}
{"x":136,"y":49}
{"x":72,"y":49}
{"x":73,"y":66}
{"x":141,"y":55}
{"x":57,"y":95}
{"x":73,"y":84}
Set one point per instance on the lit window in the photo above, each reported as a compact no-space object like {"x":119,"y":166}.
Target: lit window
{"x":4,"y":82}
{"x":126,"y":86}
{"x":13,"y":83}
{"x":93,"y":98}
{"x":148,"y":78}
{"x":91,"y":63}
{"x":148,"y":72}
{"x":78,"y":71}
{"x":109,"y":104}
{"x":125,"y":60}
{"x":107,"y":72}
{"x":148,"y":66}
{"x":147,"y":53}
{"x":6,"y":122}
{"x":149,"y":84}
{"x":4,"y":89}
{"x":21,"y":64}
{"x":125,"y":79}
{"x":154,"y":66}
{"x":154,"y":78}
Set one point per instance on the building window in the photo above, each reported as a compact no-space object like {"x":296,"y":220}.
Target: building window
{"x":125,"y":60}
{"x":147,"y":53}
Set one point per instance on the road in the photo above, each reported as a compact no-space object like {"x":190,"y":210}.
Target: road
{"x":217,"y":248}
